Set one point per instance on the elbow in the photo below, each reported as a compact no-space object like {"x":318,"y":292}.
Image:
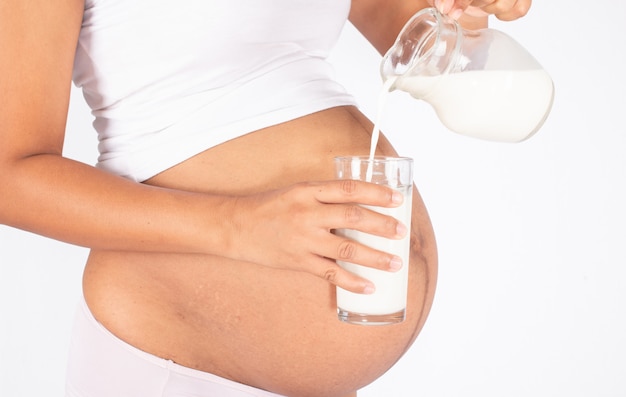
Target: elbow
{"x":17,"y":186}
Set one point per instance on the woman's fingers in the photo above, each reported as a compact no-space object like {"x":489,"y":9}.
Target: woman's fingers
{"x":330,"y":271}
{"x":346,"y":250}
{"x":357,"y":217}
{"x":292,"y":228}
{"x":351,"y":191}
{"x":345,"y":209}
{"x":513,"y":11}
{"x":446,"y":6}
{"x":506,"y":10}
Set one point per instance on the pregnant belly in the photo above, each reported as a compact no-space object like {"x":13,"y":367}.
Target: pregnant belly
{"x":273,"y":329}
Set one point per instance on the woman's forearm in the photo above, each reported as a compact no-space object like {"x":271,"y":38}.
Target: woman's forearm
{"x":380,"y":21}
{"x":79,"y":204}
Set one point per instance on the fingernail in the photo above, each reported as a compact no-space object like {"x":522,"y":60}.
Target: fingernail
{"x":401,"y":230}
{"x":397,"y":198}
{"x":395,"y":264}
{"x":444,"y":6}
{"x":369,"y":289}
{"x":456,"y":14}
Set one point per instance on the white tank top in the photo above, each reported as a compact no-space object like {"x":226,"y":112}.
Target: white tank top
{"x":168,"y":79}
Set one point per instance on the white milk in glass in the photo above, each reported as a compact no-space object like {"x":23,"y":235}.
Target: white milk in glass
{"x":506,"y":106}
{"x":391,"y":287}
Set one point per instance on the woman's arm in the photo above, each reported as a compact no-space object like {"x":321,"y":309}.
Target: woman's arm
{"x":380,"y":21}
{"x":42,"y":192}
{"x":45,"y":193}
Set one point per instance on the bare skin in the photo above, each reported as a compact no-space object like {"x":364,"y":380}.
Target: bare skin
{"x":271,"y":328}
{"x":193,"y":265}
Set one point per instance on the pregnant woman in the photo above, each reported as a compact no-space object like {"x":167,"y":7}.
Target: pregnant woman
{"x":210,"y":212}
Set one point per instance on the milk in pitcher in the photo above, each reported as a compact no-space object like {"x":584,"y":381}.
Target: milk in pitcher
{"x":507,"y":105}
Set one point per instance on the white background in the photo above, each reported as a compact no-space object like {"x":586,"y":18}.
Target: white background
{"x":530,"y":299}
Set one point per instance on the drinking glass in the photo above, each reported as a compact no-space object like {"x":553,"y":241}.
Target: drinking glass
{"x":387,"y":305}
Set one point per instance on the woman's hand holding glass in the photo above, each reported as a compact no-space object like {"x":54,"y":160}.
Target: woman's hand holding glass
{"x":291,"y":228}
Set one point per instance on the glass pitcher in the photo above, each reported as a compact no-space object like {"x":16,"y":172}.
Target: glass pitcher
{"x":481,"y":83}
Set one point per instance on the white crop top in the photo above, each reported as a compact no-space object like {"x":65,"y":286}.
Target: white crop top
{"x":168,"y":79}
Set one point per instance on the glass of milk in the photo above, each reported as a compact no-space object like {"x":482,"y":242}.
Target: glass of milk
{"x":387,"y":304}
{"x":481,"y":83}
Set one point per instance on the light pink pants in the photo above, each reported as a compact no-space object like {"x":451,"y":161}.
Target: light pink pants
{"x":101,"y":365}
